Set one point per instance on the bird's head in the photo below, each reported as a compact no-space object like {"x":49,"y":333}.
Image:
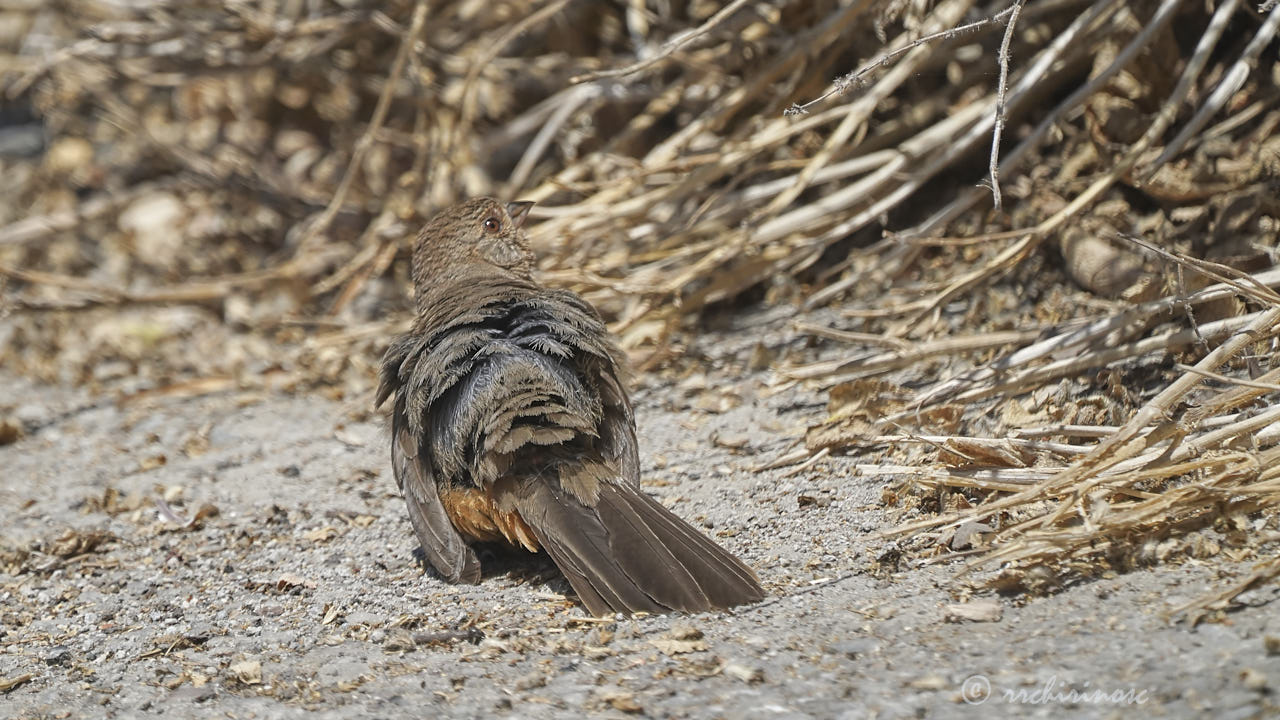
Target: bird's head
{"x":472,"y":235}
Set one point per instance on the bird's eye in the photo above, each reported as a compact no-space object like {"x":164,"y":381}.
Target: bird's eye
{"x":491,"y":224}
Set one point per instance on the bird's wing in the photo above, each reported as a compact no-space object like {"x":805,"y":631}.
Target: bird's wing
{"x":447,"y":551}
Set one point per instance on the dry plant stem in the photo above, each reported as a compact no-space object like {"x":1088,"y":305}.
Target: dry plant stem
{"x":1121,"y":445}
{"x":1230,"y":380}
{"x":1192,"y":468}
{"x":1074,"y":33}
{"x":979,"y":130}
{"x":608,"y":204}
{"x":1111,"y":451}
{"x":1247,"y":285}
{"x":1241,"y":118}
{"x":1084,"y":431}
{"x":1094,"y":331}
{"x":1242,"y":429}
{"x":860,"y":110}
{"x":993,"y":166}
{"x":807,"y":463}
{"x":820,"y":37}
{"x":839,"y":287}
{"x":803,"y":328}
{"x":1010,"y":257}
{"x":820,"y":211}
{"x":488,"y":52}
{"x":826,"y":372}
{"x":941,"y":135}
{"x":1230,"y":400}
{"x":1071,"y":366}
{"x":123,"y":115}
{"x":353,"y":265}
{"x":852,"y":79}
{"x":83,"y":48}
{"x":195,"y":292}
{"x":1263,"y":572}
{"x":321,"y":225}
{"x":1229,"y":86}
{"x":386,"y":252}
{"x":346,"y":336}
{"x":38,"y":227}
{"x":542,"y":140}
{"x":994,"y":443}
{"x":669,"y":48}
{"x":753,"y":194}
{"x":1247,"y":428}
{"x":656,"y":108}
{"x":787,"y":458}
{"x":1002,"y":479}
{"x":1199,"y":58}
{"x":1232,"y":480}
{"x":965,"y":241}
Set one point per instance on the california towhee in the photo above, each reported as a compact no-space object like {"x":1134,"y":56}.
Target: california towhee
{"x":510,"y":423}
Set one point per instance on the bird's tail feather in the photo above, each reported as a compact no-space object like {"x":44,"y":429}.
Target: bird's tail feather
{"x":628,"y":553}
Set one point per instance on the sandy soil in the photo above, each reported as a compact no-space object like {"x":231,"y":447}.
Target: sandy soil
{"x":279,"y":579}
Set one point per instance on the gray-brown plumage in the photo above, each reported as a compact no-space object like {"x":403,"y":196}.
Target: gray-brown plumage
{"x":510,"y":423}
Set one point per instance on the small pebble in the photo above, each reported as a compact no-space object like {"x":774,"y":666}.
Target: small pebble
{"x":1253,"y":679}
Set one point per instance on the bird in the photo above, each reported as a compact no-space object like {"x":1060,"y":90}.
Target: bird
{"x":510,"y":422}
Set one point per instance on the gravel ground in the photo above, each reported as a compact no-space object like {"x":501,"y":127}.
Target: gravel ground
{"x":278,"y":577}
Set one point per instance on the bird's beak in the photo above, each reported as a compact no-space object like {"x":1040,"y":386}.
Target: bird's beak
{"x":519,"y":212}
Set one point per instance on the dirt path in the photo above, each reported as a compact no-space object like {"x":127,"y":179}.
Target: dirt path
{"x":297,"y":589}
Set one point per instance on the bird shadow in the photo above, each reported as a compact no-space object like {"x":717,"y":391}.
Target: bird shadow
{"x":499,"y":559}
